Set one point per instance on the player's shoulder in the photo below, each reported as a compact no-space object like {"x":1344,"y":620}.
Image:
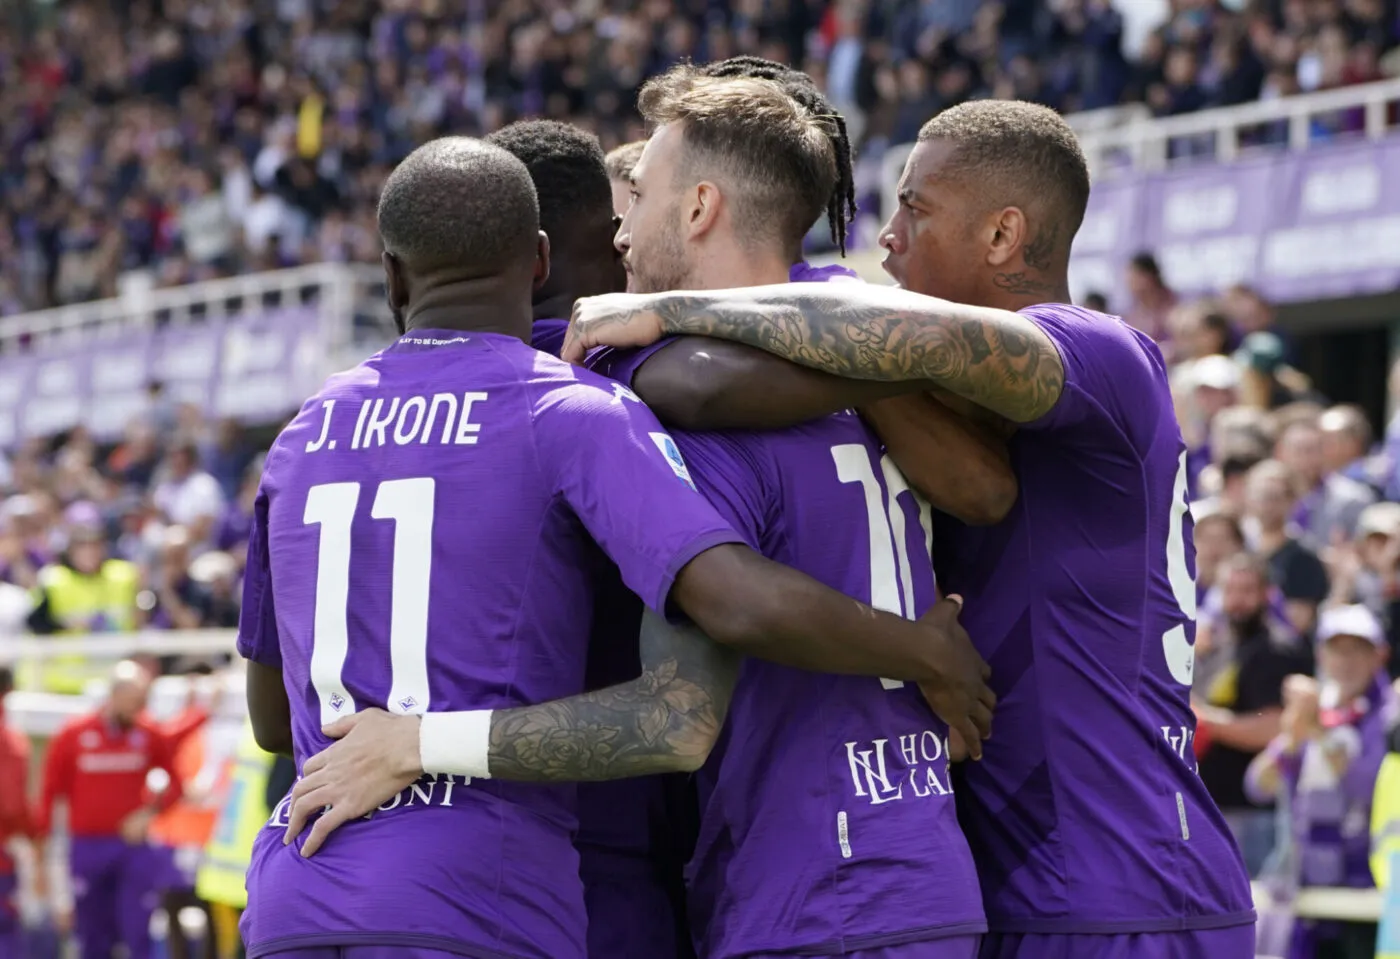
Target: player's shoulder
{"x":1088,"y":331}
{"x":1102,"y":354}
{"x":559,"y":387}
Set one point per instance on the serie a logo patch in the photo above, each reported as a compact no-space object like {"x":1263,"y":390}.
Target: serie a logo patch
{"x":672,"y":452}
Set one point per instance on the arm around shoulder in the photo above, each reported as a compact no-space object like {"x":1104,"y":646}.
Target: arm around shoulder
{"x":701,"y":383}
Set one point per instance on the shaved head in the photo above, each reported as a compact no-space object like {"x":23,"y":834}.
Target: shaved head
{"x":1011,"y":153}
{"x":461,"y":206}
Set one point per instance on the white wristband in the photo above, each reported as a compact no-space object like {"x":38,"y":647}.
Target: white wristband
{"x":456,"y":744}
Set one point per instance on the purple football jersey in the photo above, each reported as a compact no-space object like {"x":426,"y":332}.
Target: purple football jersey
{"x":424,"y":539}
{"x":827,"y":817}
{"x":1086,"y":814}
{"x":805,"y":272}
{"x":627,"y":842}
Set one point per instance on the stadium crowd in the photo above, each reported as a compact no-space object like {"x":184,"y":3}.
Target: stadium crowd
{"x":193,"y":139}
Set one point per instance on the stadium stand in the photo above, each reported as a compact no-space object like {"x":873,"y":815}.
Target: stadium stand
{"x":187,"y":246}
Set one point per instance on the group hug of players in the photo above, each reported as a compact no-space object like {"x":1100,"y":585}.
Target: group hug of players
{"x":480,"y":574}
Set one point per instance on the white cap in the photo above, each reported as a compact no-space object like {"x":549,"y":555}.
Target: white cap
{"x":1352,"y":620}
{"x":1216,"y":372}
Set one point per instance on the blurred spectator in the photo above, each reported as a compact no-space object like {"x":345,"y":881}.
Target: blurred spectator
{"x":187,"y":495}
{"x":1330,"y":503}
{"x":227,"y":456}
{"x":1238,"y":715}
{"x":16,"y":818}
{"x":85,"y":591}
{"x":1152,"y":301}
{"x":89,"y":768}
{"x":1267,"y":381}
{"x":1296,"y":570}
{"x":192,"y":141}
{"x":1347,"y":448}
{"x":1326,"y":758}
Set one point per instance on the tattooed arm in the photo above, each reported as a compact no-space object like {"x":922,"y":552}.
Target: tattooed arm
{"x":666,"y":720}
{"x":997,"y":359}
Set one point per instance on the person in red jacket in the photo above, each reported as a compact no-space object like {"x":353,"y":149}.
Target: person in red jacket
{"x":99,"y":764}
{"x":16,"y":818}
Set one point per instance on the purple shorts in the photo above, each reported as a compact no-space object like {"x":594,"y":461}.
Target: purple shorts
{"x":363,"y":952}
{"x":958,"y":947}
{"x":629,"y":918}
{"x":1237,"y":942}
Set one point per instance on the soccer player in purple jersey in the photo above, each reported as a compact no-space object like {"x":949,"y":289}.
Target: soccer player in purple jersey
{"x":630,"y":845}
{"x":457,"y":495}
{"x":1091,"y":830}
{"x":878,"y":822}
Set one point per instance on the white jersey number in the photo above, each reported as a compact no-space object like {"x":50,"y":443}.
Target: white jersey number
{"x":885,"y":518}
{"x":1180,"y":652}
{"x":409,"y":504}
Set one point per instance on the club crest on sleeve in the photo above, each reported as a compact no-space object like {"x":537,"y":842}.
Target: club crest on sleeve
{"x":672,"y":452}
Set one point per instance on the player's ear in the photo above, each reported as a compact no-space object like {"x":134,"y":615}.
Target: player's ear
{"x":1008,"y":238}
{"x":704,"y":209}
{"x":395,"y":282}
{"x":542,"y":260}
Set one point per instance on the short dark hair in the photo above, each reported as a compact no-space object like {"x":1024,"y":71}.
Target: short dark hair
{"x":7,"y":680}
{"x":457,"y":202}
{"x":566,"y":165}
{"x":777,"y":153}
{"x":1146,"y":263}
{"x":622,"y":160}
{"x":841,"y":208}
{"x":1022,"y":153}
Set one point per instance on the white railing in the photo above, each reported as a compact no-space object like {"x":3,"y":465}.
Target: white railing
{"x":1144,"y":143}
{"x":1129,"y":139}
{"x":340,"y":290}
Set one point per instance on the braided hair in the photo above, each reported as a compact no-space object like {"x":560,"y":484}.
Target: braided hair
{"x":841,"y":207}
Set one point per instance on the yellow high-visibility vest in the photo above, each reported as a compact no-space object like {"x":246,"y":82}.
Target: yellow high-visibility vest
{"x":1385,"y":853}
{"x":223,"y":872}
{"x":75,"y":601}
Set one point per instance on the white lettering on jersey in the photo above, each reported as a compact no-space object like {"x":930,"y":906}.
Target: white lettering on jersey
{"x":414,"y":419}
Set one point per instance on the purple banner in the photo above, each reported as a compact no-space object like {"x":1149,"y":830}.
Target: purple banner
{"x":256,"y":368}
{"x":1320,"y":224}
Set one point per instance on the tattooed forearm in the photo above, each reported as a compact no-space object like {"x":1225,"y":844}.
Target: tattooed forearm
{"x":994,"y":358}
{"x":665,"y":720}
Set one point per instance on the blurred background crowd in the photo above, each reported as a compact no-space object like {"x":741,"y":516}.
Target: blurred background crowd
{"x":170,"y":141}
{"x":187,"y":139}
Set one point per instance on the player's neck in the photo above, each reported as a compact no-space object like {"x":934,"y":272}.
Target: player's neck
{"x":736,"y":267}
{"x":1018,"y":290}
{"x":473,"y":306}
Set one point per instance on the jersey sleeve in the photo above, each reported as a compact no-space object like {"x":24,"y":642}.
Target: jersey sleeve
{"x":257,"y":620}
{"x":1107,"y":369}
{"x":547,"y":336}
{"x":622,"y":365}
{"x":625,"y":479}
{"x":732,"y":479}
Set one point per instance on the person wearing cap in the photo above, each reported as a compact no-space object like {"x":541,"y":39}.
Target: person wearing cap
{"x":1326,"y":758}
{"x":85,"y":591}
{"x":1268,"y":382}
{"x":1210,"y":384}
